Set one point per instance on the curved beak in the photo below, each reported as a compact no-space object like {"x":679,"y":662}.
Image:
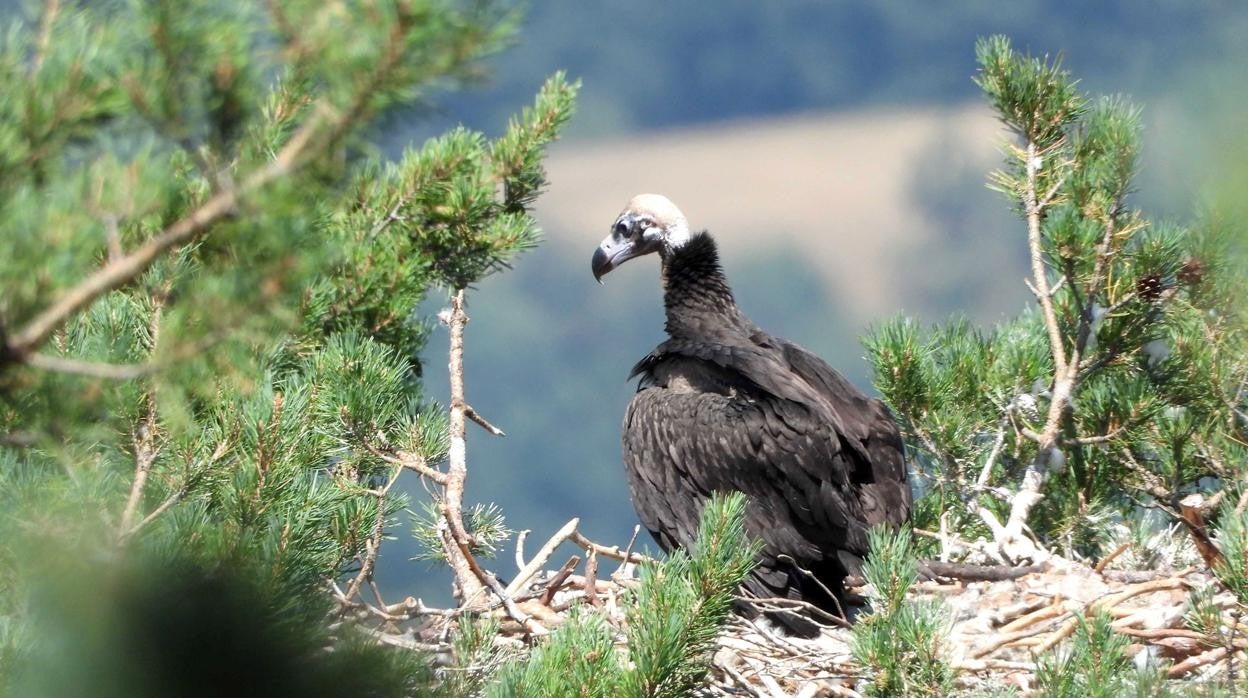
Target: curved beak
{"x":614,"y":251}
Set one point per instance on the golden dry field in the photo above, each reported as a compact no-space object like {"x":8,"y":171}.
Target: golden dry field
{"x":840,"y":187}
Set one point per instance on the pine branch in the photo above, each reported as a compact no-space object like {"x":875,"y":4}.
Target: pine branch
{"x":1066,"y":380}
{"x":89,"y":369}
{"x":176,"y":496}
{"x":144,"y":455}
{"x":118,"y":273}
{"x":1039,"y":271}
{"x":406,"y":459}
{"x":144,"y":438}
{"x":372,"y":544}
{"x":118,"y":372}
{"x":121,"y":271}
{"x":1045,"y":138}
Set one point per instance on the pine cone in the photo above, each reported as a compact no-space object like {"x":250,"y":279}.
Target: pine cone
{"x":1149,"y":287}
{"x":1192,"y":272}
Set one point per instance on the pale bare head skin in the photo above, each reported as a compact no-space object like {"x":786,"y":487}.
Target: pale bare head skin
{"x":649,"y":223}
{"x":657,"y":208}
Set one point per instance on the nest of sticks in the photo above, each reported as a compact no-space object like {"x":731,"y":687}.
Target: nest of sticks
{"x":1003,"y":619}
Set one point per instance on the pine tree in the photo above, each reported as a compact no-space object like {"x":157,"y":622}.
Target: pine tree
{"x":1124,"y":383}
{"x":208,"y":360}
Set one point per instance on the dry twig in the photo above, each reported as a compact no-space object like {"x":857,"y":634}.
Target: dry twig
{"x":548,"y":595}
{"x":979,"y":573}
{"x":527,"y":571}
{"x":1100,"y":566}
{"x":1191,"y":664}
{"x":612,"y":552}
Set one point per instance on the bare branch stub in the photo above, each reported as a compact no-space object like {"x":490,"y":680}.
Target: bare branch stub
{"x":612,"y":551}
{"x":482,"y":422}
{"x":628,"y":553}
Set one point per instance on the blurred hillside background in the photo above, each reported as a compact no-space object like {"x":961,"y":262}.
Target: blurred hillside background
{"x":838,"y":150}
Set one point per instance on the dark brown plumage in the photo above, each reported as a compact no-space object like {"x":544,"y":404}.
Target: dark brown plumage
{"x":723,"y":406}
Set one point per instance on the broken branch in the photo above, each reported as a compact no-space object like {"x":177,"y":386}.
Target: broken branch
{"x":474,"y":416}
{"x":612,"y":552}
{"x":543,"y":555}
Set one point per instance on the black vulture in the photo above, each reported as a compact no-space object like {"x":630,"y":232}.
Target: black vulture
{"x":723,"y":406}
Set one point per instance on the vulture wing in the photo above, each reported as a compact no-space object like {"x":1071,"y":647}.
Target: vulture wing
{"x":881,"y":476}
{"x":739,"y":415}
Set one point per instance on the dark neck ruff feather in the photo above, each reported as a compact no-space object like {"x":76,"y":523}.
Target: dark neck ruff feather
{"x":697,"y":297}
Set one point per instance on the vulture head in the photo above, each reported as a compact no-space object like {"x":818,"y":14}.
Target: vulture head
{"x":649,"y":223}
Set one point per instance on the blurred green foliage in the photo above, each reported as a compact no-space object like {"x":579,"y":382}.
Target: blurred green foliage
{"x":172,"y":627}
{"x":196,"y":429}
